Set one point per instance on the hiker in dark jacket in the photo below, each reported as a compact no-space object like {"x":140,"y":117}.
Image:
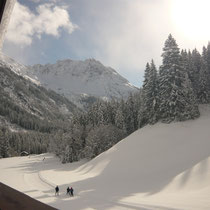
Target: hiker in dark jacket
{"x":57,"y":190}
{"x":67,"y":191}
{"x":71,"y":191}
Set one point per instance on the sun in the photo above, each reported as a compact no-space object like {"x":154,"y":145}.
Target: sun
{"x":192,"y":18}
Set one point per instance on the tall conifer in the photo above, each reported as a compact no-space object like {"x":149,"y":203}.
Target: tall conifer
{"x":173,"y":86}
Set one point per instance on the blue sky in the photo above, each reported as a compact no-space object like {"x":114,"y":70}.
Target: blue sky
{"x":122,"y":34}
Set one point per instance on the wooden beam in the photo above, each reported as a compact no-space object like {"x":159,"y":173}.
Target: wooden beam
{"x":13,"y":199}
{"x":2,"y":6}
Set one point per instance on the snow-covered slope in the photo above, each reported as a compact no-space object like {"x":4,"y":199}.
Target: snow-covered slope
{"x":18,"y":68}
{"x":82,"y":78}
{"x":159,"y":167}
{"x":23,"y":101}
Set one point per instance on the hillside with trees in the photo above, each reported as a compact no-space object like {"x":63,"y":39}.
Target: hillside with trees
{"x":169,"y":94}
{"x":51,"y":123}
{"x":29,"y":115}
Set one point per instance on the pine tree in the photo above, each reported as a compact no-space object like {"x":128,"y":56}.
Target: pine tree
{"x":203,"y":91}
{"x":195,"y":64}
{"x":119,"y":117}
{"x":189,"y":92}
{"x":4,"y":144}
{"x":131,"y":115}
{"x":207,"y":59}
{"x":175,"y":104}
{"x":140,"y":114}
{"x":150,"y":94}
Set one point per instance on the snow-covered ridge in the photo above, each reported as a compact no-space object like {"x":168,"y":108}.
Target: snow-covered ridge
{"x":159,"y":167}
{"x":16,"y":67}
{"x":75,"y":78}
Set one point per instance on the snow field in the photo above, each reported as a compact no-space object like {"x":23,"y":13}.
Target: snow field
{"x":159,"y":167}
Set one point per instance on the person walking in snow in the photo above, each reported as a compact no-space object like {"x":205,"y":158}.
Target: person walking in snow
{"x":67,"y":191}
{"x":57,"y":190}
{"x":71,"y":191}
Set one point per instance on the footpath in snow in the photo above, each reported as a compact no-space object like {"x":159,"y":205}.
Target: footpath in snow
{"x":159,"y":167}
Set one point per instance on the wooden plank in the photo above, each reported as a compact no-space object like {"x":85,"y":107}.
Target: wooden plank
{"x":2,"y":6}
{"x":11,"y":199}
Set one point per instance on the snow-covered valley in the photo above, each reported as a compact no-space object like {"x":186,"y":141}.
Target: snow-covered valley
{"x":164,"y":166}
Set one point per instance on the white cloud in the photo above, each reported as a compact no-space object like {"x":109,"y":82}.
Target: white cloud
{"x":49,"y":19}
{"x":137,"y":35}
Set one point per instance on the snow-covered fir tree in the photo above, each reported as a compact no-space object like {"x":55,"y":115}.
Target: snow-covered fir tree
{"x":195,"y":64}
{"x":131,"y":115}
{"x":150,"y":93}
{"x":203,"y":79}
{"x":119,"y":117}
{"x":206,"y":58}
{"x":174,"y":101}
{"x":4,"y":144}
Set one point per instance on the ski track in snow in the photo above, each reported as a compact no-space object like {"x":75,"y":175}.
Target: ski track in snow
{"x":42,"y":188}
{"x":33,"y":180}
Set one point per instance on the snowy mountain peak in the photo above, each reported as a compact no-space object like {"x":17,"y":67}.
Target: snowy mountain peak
{"x":74,"y":78}
{"x":79,"y":81}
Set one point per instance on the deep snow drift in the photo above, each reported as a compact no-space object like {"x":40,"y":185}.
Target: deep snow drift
{"x":164,"y":166}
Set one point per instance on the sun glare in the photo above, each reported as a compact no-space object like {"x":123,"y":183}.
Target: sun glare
{"x":191,"y":18}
